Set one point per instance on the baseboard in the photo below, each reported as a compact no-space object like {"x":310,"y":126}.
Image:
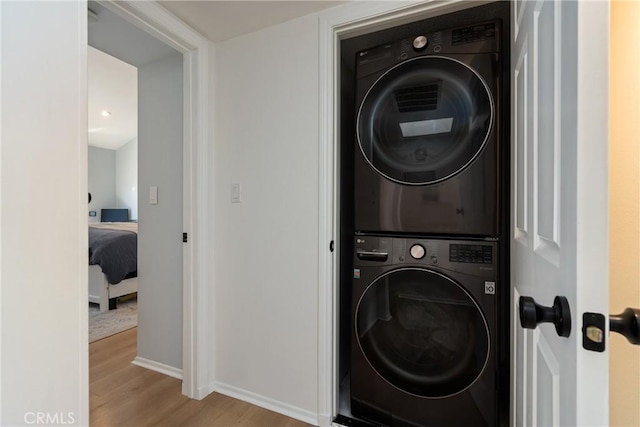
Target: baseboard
{"x":267,"y":403}
{"x":158,"y":367}
{"x":205,"y":390}
{"x":325,"y":420}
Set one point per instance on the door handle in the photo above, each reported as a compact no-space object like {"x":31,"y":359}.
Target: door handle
{"x":626,"y":323}
{"x":532,"y":314}
{"x":372,"y":256}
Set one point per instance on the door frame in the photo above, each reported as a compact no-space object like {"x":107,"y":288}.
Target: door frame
{"x":334,"y":25}
{"x":157,"y":21}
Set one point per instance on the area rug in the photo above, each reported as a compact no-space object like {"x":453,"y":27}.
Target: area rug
{"x":102,"y":325}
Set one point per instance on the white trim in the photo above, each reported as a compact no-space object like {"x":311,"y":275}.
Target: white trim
{"x":207,"y":389}
{"x":266,"y":402}
{"x":326,"y":420}
{"x":157,"y":21}
{"x":84,"y":371}
{"x":83,"y":244}
{"x":327,"y":330}
{"x":592,"y":142}
{"x":351,"y":19}
{"x":152,"y":365}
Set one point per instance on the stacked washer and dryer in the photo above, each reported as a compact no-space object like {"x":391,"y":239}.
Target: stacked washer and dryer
{"x":428,"y":305}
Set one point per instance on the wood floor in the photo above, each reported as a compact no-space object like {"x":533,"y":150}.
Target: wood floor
{"x":122,"y":394}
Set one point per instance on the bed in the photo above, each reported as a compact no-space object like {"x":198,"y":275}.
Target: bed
{"x":113,"y":249}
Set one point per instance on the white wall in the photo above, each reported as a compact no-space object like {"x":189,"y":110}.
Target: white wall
{"x":126,"y":171}
{"x":43,"y":161}
{"x":102,"y":180}
{"x":113,"y":179}
{"x":160,"y":226}
{"x":266,"y":261}
{"x":624,"y":206}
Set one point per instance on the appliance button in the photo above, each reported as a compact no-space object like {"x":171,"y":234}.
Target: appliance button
{"x":434,"y":260}
{"x":417,"y":251}
{"x":420,"y":42}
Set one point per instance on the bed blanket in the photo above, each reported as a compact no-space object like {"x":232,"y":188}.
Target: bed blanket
{"x":115,"y":251}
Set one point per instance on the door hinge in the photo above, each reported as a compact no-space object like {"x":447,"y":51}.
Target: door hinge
{"x":184,"y":238}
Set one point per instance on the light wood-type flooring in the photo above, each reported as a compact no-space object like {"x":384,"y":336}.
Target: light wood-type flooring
{"x":122,"y":394}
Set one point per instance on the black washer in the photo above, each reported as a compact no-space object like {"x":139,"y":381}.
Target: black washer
{"x":424,"y":338}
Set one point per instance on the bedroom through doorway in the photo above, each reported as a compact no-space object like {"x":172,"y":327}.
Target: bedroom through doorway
{"x":113,"y":194}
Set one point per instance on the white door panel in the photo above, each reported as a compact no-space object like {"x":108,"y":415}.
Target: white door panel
{"x":558,"y":123}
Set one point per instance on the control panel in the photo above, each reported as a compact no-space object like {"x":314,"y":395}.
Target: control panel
{"x":472,"y":34}
{"x":476,"y":254}
{"x":478,"y":38}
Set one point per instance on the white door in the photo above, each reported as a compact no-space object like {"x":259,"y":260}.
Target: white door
{"x":559,"y":244}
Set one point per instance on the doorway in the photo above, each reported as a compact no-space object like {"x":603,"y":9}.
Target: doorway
{"x":154,"y":20}
{"x":332,"y":29}
{"x":159,"y":141}
{"x":170,"y":344}
{"x":343,"y":25}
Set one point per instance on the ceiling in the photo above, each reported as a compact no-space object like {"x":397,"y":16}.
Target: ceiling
{"x":116,"y":48}
{"x":222,"y":20}
{"x":112,"y":87}
{"x":113,"y":82}
{"x":116,"y":36}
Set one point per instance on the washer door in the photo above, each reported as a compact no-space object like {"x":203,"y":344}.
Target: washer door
{"x":422,"y":332}
{"x":425,"y":120}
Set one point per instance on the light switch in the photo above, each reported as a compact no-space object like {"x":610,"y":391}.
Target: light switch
{"x":236,"y":193}
{"x":153,"y":195}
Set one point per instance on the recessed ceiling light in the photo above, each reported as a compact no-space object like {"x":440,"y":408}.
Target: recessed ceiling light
{"x":106,"y":113}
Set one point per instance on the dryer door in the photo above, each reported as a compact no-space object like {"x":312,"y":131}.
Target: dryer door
{"x":425,"y":120}
{"x":422,"y":332}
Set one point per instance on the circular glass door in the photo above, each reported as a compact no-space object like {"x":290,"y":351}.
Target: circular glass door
{"x":425,"y":120}
{"x":422,"y":332}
